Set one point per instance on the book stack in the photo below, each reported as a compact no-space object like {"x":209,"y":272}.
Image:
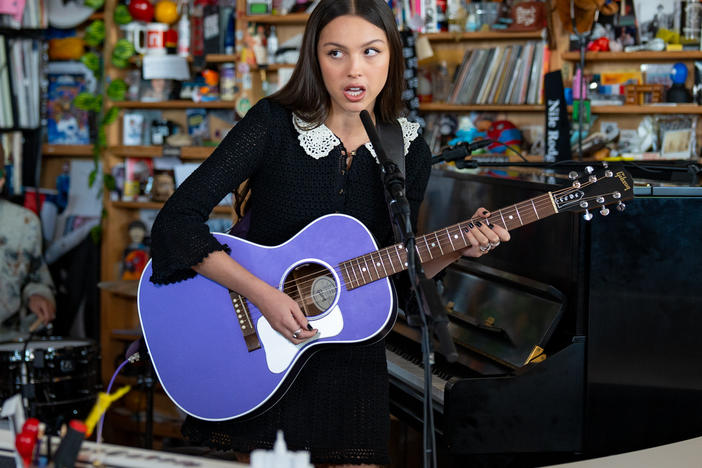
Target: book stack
{"x":32,"y":14}
{"x":19,"y":83}
{"x":509,"y":74}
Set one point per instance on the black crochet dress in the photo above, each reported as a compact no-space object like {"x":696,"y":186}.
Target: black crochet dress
{"x":337,"y":408}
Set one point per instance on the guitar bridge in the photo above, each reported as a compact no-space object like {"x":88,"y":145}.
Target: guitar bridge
{"x":244,"y":317}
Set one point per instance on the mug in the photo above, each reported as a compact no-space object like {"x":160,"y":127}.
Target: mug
{"x":147,"y":38}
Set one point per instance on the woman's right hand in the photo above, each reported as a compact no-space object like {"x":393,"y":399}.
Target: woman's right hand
{"x":284,"y":315}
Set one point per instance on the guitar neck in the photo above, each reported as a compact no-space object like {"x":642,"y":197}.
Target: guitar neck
{"x":390,"y":260}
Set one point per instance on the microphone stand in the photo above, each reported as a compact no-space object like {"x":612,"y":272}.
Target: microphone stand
{"x":423,"y":288}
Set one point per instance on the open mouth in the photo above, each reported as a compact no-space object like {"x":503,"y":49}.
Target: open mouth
{"x":354,"y":92}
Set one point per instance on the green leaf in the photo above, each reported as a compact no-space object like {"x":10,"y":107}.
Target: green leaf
{"x":122,"y":15}
{"x":92,"y":61}
{"x":96,"y":233}
{"x":110,"y":116}
{"x":101,"y":137}
{"x":109,"y":181}
{"x":123,"y":49}
{"x":84,"y":101}
{"x":117,"y":89}
{"x":95,"y":33}
{"x":94,"y":4}
{"x":119,"y":63}
{"x":92,"y":177}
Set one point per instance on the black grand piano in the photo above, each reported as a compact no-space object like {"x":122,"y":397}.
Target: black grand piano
{"x":576,"y":339}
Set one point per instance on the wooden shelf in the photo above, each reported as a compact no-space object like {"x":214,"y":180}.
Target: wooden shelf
{"x":292,"y":18}
{"x":66,"y":150}
{"x":158,"y":205}
{"x":646,"y":109}
{"x":175,"y":105}
{"x":124,"y":336}
{"x":126,"y":288}
{"x":640,"y":56}
{"x":229,"y":58}
{"x":443,"y":107}
{"x":484,"y":36}
{"x":186,"y":152}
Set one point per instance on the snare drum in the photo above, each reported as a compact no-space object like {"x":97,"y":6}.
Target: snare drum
{"x":57,"y":376}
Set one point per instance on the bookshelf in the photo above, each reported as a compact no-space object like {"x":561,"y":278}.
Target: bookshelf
{"x":119,"y":315}
{"x":629,"y":116}
{"x":640,"y":56}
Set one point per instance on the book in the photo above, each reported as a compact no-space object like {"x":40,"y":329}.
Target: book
{"x":138,"y":176}
{"x":65,"y":123}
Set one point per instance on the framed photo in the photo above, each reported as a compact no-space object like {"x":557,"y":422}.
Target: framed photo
{"x":655,"y":15}
{"x":677,"y":136}
{"x":155,"y":90}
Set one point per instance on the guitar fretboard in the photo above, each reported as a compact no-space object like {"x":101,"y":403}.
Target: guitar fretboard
{"x":382,"y":263}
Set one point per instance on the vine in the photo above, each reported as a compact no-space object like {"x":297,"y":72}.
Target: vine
{"x":94,"y":38}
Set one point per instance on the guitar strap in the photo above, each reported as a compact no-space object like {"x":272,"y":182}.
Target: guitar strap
{"x":390,"y":133}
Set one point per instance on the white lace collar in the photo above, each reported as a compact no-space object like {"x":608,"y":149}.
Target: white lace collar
{"x":319,"y":141}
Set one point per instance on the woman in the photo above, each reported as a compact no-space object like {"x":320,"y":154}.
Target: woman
{"x":305,"y":153}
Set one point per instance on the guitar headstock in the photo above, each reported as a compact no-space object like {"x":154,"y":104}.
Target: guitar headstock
{"x":595,"y":190}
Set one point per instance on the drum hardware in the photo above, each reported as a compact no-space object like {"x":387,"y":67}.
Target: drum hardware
{"x":57,"y":378}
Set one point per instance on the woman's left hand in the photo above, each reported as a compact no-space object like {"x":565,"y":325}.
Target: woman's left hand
{"x":483,"y":235}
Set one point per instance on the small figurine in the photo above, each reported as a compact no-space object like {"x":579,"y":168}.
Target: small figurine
{"x":136,"y":255}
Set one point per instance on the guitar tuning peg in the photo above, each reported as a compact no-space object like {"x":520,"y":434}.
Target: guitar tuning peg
{"x":576,"y":184}
{"x":600,"y":200}
{"x":587,"y":215}
{"x":589,"y":169}
{"x":604,"y":211}
{"x":592,"y":178}
{"x":572,"y":175}
{"x":609,"y":173}
{"x":621,"y":206}
{"x":605,"y":164}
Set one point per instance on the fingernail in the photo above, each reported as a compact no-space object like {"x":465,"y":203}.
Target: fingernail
{"x":478,"y":223}
{"x":485,"y":212}
{"x":309,"y":327}
{"x":470,"y":225}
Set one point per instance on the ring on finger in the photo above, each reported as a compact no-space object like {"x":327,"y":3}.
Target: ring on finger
{"x":484,"y":248}
{"x":494,"y":244}
{"x":297,"y":333}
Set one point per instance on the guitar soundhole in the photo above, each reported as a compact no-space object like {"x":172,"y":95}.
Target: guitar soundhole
{"x":313,"y":286}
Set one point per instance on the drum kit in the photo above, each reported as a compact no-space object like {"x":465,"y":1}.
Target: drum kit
{"x":58,"y":378}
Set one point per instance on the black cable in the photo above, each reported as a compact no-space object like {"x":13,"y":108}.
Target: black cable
{"x":511,"y":148}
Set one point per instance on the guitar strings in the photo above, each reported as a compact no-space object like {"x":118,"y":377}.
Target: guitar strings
{"x":446,"y":233}
{"x":442,"y":236}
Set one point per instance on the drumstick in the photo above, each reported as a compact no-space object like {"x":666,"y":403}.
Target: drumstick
{"x":35,"y":326}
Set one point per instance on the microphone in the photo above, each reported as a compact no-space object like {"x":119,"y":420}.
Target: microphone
{"x":394,"y":180}
{"x":460,"y":151}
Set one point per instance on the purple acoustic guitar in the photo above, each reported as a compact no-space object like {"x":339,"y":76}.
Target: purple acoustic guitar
{"x":218,"y":358}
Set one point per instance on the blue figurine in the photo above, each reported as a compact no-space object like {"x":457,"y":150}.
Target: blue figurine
{"x":678,"y":92}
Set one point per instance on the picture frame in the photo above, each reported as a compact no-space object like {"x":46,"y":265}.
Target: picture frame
{"x":654,"y":15}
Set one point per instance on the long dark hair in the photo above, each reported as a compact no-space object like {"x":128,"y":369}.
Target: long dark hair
{"x":305,"y":93}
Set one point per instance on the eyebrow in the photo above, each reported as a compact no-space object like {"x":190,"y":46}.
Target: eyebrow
{"x":344,"y":47}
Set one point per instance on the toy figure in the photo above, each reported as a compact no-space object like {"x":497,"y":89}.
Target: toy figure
{"x":136,"y":255}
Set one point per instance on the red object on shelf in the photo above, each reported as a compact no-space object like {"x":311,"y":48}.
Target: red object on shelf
{"x":598,"y":45}
{"x":141,"y":10}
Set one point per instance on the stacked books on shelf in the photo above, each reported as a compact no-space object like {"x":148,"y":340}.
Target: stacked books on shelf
{"x":32,"y":14}
{"x":19,"y":82}
{"x":506,"y":74}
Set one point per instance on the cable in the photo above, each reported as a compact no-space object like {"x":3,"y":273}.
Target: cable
{"x":511,"y":148}
{"x":109,"y":387}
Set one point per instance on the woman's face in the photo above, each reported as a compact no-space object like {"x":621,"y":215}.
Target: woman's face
{"x":354,"y":57}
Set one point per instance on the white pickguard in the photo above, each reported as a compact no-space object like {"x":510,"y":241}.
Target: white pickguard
{"x":280,"y":352}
